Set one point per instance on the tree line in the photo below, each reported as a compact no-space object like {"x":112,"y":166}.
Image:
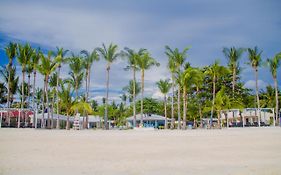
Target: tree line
{"x":196,"y":92}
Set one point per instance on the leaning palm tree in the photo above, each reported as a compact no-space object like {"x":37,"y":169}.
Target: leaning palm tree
{"x":89,"y":58}
{"x":11,"y":52}
{"x":145,"y":62}
{"x":46,"y":67}
{"x":24,"y":54}
{"x":233,"y":55}
{"x":110,"y":55}
{"x":132,"y":57}
{"x":215,"y":71}
{"x":274,"y":64}
{"x":255,"y":62}
{"x":164,"y":86}
{"x":176,"y":60}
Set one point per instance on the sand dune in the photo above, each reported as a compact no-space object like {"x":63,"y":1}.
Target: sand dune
{"x":228,"y":151}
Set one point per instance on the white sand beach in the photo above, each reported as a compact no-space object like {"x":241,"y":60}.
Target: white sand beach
{"x":227,"y":151}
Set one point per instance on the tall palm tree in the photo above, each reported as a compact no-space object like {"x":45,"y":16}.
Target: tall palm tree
{"x":233,"y":55}
{"x":189,"y":78}
{"x":256,"y":61}
{"x":198,"y":85}
{"x":274,"y":64}
{"x":34,"y":63}
{"x":24,"y":54}
{"x":53,"y":84}
{"x":144,"y":62}
{"x":110,"y":55}
{"x":176,"y":60}
{"x":46,"y":67}
{"x":29,"y":70}
{"x":11,"y":52}
{"x":89,"y":58}
{"x":172,"y":68}
{"x":215,"y":71}
{"x":60,"y":56}
{"x":164,"y":86}
{"x":132,"y":57}
{"x":76,"y":73}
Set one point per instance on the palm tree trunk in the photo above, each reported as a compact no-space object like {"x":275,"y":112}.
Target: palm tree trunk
{"x":200,"y":110}
{"x":134,"y":97}
{"x":233,"y":81}
{"x":47,"y":101}
{"x":9,"y":91}
{"x":142,"y":89}
{"x":257,"y":96}
{"x":28,"y":91}
{"x":57,"y":94}
{"x":22,"y":95}
{"x":9,"y":85}
{"x":52,"y":115}
{"x":172,"y":105}
{"x":67,"y":122}
{"x":165,"y":107}
{"x":106,"y":98}
{"x":43,"y":105}
{"x":33,"y":98}
{"x":87,"y":98}
{"x":179,"y":107}
{"x":184,"y":107}
{"x":213,"y":101}
{"x":219,"y":119}
{"x":276,"y":101}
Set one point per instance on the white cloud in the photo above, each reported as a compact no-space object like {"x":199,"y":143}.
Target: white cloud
{"x":251,"y":84}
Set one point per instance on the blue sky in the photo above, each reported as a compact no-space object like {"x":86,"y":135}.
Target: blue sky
{"x":206,"y":26}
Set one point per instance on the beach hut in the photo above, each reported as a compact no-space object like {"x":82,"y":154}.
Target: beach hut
{"x":149,"y":120}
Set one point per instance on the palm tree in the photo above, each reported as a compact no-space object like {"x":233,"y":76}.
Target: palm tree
{"x":9,"y":76}
{"x":215,"y":71}
{"x":144,"y":62}
{"x":88,"y":61}
{"x":53,"y":84}
{"x":34,"y":63}
{"x":110,"y":55}
{"x":274,"y":64}
{"x":29,"y":70}
{"x":255,"y":62}
{"x":164,"y":86}
{"x":76,"y":73}
{"x":11,"y":52}
{"x":132,"y":57}
{"x":172,"y":68}
{"x":189,"y":78}
{"x":176,"y":60}
{"x":131,"y":89}
{"x":124,"y":98}
{"x":46,"y":67}
{"x":198,"y":84}
{"x":233,"y":55}
{"x":66,"y":102}
{"x":60,"y":54}
{"x":24,"y":54}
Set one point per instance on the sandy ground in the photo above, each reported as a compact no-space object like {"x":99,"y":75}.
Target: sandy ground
{"x":228,"y":151}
